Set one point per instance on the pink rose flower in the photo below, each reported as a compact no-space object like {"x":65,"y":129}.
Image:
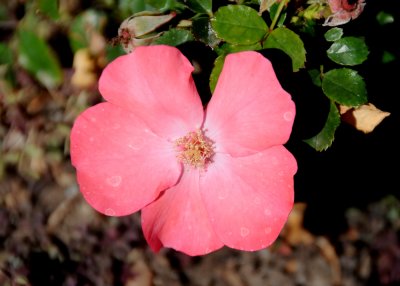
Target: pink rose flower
{"x":201,"y":178}
{"x":343,"y":11}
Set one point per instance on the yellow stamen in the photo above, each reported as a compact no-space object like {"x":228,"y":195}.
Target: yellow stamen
{"x":194,"y":149}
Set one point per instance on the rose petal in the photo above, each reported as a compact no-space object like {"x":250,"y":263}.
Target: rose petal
{"x":249,"y":198}
{"x":155,"y":83}
{"x":249,"y":110}
{"x":121,"y":165}
{"x":179,"y":220}
{"x":338,"y":18}
{"x":335,"y":5}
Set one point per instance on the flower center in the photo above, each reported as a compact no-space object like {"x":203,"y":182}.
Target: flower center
{"x":194,"y":149}
{"x":349,"y":5}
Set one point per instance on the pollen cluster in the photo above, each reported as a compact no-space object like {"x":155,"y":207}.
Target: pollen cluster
{"x":194,"y":149}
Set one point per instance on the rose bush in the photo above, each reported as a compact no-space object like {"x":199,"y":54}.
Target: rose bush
{"x":203,"y":178}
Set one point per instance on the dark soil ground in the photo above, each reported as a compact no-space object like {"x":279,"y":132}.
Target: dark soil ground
{"x":50,"y":236}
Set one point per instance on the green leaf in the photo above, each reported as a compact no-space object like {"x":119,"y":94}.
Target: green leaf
{"x":238,"y":24}
{"x":174,"y":37}
{"x":282,"y":19}
{"x":6,"y":61}
{"x":387,"y":57}
{"x":6,"y":56}
{"x":333,"y":34}
{"x":38,"y":59}
{"x":344,"y":86}
{"x":229,"y":48}
{"x":384,"y":18}
{"x":202,"y":31}
{"x":315,"y":77}
{"x":82,"y":26}
{"x":166,"y":5}
{"x":4,"y":11}
{"x":323,"y":140}
{"x":113,"y":52}
{"x":216,"y":71}
{"x":348,"y":51}
{"x":200,"y":6}
{"x":127,"y":8}
{"x":50,"y":8}
{"x":273,"y":11}
{"x":288,"y":42}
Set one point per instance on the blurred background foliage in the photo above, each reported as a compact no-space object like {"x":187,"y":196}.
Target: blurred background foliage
{"x":51,"y":55}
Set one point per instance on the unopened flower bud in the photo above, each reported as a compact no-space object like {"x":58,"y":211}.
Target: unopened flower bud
{"x":139,"y":29}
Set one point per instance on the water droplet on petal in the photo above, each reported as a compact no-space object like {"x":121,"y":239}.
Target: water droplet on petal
{"x":110,"y":212}
{"x":244,"y":232}
{"x":288,"y":116}
{"x":86,"y":192}
{"x":136,"y":143}
{"x":114,"y":181}
{"x":222,"y":194}
{"x":133,"y":147}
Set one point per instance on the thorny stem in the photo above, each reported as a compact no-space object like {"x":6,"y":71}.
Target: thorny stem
{"x":278,"y":13}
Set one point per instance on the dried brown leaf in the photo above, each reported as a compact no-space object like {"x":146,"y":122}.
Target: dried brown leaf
{"x":139,"y":272}
{"x":294,"y":232}
{"x":329,"y":252}
{"x":85,"y":66}
{"x":364,"y":118}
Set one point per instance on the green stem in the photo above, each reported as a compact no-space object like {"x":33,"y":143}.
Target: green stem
{"x":278,"y":13}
